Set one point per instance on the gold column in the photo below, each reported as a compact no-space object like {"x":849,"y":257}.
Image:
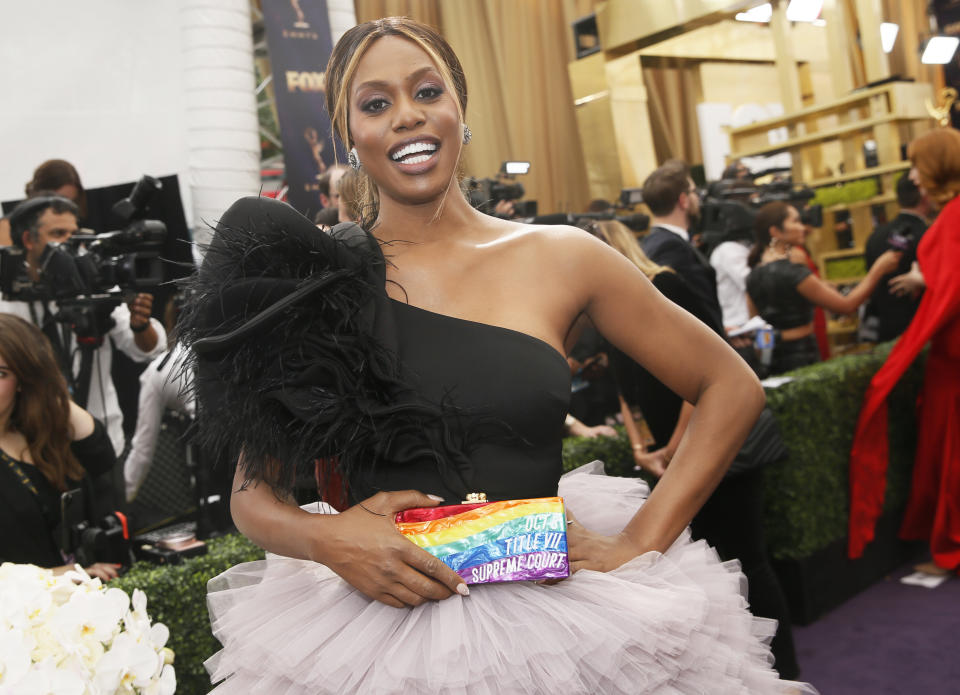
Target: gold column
{"x":592,"y":107}
{"x":631,"y":119}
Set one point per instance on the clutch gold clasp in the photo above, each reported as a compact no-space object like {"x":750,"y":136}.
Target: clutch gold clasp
{"x":475,"y":498}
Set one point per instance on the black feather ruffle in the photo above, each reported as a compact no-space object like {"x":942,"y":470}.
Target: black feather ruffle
{"x":293,"y":351}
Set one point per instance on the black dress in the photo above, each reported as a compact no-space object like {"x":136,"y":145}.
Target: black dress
{"x":773,"y":289}
{"x":512,"y":404}
{"x":29,"y":521}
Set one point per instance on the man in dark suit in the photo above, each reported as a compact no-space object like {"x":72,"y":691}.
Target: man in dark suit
{"x":886,"y":312}
{"x":672,"y":197}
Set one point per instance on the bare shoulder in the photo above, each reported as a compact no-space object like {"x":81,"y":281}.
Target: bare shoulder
{"x":797,"y":255}
{"x":557,"y":242}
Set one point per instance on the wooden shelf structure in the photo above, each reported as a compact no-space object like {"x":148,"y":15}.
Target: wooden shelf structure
{"x":889,"y":115}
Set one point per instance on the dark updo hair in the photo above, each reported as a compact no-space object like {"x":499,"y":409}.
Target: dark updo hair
{"x":342,"y":66}
{"x":51,"y":176}
{"x":770,"y":215}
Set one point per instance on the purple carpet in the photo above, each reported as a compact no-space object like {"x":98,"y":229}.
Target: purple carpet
{"x":892,"y":639}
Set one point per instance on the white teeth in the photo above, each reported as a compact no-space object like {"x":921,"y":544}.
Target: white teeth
{"x":418,"y":159}
{"x":413,"y":148}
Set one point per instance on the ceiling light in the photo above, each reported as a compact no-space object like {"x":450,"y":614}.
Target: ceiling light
{"x":888,"y":35}
{"x":804,"y":10}
{"x":939,"y":50}
{"x":760,"y":13}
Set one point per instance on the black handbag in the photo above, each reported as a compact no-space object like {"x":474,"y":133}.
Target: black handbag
{"x":763,"y":445}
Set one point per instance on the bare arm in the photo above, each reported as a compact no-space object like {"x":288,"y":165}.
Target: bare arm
{"x":818,"y":292}
{"x":686,"y":412}
{"x":81,"y":422}
{"x":692,"y":361}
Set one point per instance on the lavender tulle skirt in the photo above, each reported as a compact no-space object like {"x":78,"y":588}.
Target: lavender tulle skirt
{"x":666,"y":623}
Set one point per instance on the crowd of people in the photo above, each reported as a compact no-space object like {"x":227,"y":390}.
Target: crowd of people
{"x":428,"y":352}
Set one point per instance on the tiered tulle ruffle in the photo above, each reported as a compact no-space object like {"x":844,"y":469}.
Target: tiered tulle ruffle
{"x":675,"y":622}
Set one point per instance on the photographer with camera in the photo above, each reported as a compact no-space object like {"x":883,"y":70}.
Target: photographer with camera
{"x":887,"y":313}
{"x":39,"y":227}
{"x":47,"y":445}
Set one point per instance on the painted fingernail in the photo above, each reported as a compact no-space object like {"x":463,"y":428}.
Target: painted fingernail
{"x":438,"y":498}
{"x":463,"y":589}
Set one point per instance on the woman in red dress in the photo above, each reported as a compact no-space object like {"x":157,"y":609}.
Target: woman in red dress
{"x":933,"y":511}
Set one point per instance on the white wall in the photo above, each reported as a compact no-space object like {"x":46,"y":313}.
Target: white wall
{"x":97,"y":83}
{"x":102,"y":84}
{"x":342,"y":17}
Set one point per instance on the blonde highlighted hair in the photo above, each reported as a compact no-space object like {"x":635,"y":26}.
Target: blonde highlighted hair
{"x":342,"y":67}
{"x":620,"y":237}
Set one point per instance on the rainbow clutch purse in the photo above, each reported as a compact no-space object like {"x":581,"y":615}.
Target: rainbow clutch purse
{"x":483,"y":542}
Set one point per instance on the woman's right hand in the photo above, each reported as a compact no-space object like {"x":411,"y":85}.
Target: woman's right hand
{"x":654,"y":462}
{"x":888,"y":262}
{"x":104,"y":571}
{"x":364,"y":547}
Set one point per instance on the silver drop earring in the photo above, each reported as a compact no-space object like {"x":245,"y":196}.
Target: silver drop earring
{"x":467,"y":135}
{"x":352,"y":159}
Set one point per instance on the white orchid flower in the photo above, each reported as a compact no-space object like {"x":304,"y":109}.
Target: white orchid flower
{"x":14,"y":658}
{"x":128,"y":664}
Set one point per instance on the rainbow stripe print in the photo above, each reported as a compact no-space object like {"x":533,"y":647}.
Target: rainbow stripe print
{"x":514,"y":540}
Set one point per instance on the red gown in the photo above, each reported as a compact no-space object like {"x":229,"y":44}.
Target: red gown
{"x":933,"y":510}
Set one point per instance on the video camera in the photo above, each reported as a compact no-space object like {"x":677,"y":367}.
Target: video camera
{"x":83,"y":271}
{"x":484,"y":194}
{"x":106,"y":540}
{"x":728,"y":208}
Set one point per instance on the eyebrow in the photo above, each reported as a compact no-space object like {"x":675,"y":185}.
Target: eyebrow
{"x":381,"y":84}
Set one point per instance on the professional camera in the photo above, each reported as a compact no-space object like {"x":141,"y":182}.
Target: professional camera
{"x":484,"y":194}
{"x":83,"y":271}
{"x":637,"y":222}
{"x":105,"y":540}
{"x":729,"y":207}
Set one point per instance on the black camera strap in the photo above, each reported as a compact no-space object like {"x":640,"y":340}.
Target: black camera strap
{"x":48,"y":325}
{"x":19,"y":472}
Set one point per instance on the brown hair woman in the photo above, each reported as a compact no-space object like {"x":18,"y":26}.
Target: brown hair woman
{"x":47,"y":445}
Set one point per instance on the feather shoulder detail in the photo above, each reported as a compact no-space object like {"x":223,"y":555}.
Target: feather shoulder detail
{"x":293,"y":352}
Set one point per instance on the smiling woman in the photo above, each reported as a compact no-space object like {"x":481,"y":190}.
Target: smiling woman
{"x":424,"y":357}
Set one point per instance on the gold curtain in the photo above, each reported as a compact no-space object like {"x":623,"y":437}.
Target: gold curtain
{"x":514,"y":53}
{"x":426,"y":11}
{"x":673,"y":91}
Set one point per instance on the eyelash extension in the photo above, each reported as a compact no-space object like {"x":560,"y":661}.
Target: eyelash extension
{"x":368,"y":107}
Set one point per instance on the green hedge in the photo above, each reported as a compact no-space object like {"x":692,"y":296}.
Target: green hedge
{"x":805,"y":495}
{"x":176,"y":597}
